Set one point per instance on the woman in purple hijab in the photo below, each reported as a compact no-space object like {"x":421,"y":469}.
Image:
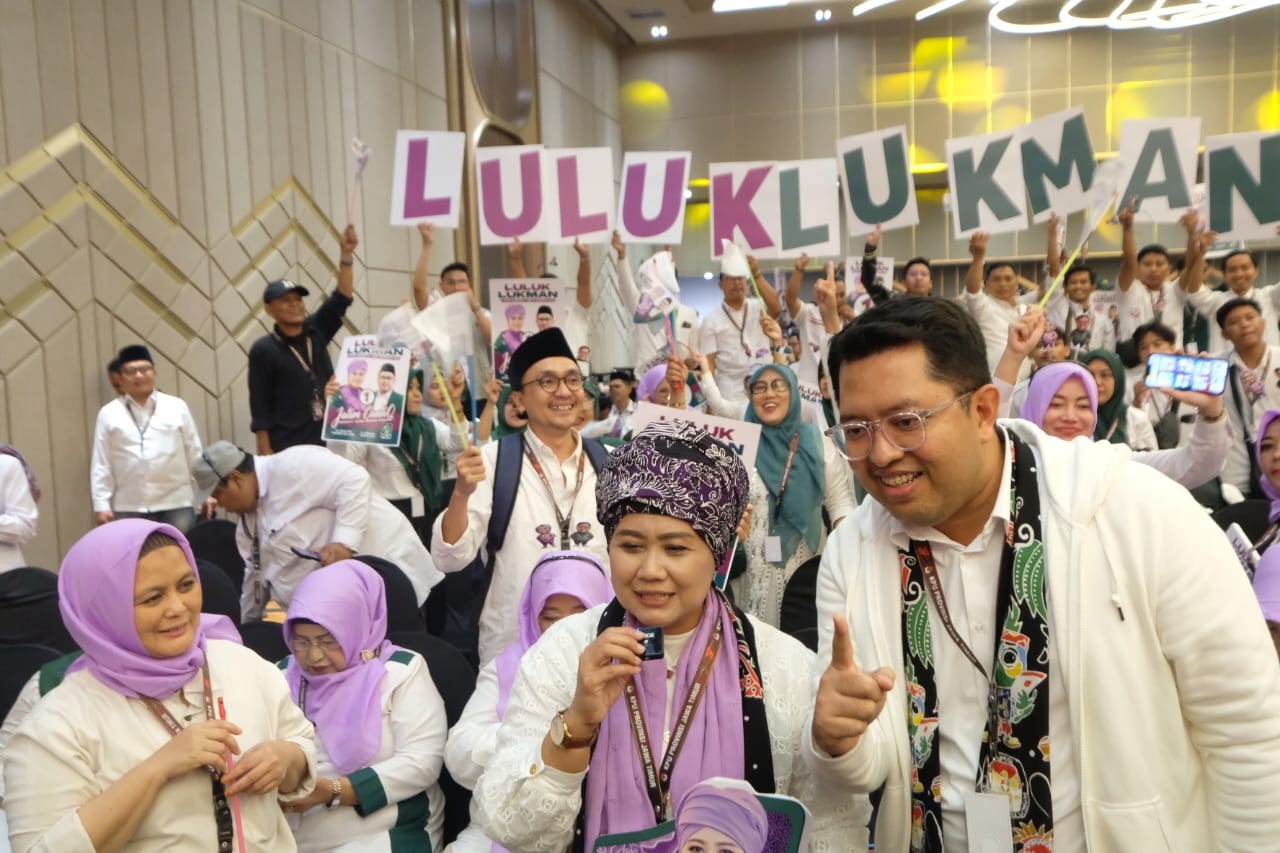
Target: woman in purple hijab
{"x":618,"y":712}
{"x":1062,"y":400}
{"x":715,"y":817}
{"x":562,"y":583}
{"x":380,"y":722}
{"x":164,"y":726}
{"x":1266,"y":578}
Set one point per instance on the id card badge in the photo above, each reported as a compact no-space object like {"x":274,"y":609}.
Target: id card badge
{"x":417,"y":506}
{"x":317,"y":409}
{"x":986,"y":821}
{"x":773,"y":549}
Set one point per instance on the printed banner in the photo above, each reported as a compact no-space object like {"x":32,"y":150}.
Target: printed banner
{"x":522,"y":307}
{"x":984,"y":174}
{"x":579,"y":193}
{"x":875,"y":172}
{"x":1057,"y":164}
{"x":809,"y":209}
{"x":745,"y":207}
{"x":1243,"y":173}
{"x":740,"y":435}
{"x":651,"y":209}
{"x":426,"y":185}
{"x":509,"y":182}
{"x":368,"y":406}
{"x":1160,"y":166}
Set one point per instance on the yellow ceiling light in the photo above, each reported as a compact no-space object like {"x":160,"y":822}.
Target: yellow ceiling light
{"x":1266,"y":111}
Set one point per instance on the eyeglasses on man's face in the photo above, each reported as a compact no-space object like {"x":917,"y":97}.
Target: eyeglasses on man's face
{"x":550,"y":383}
{"x":137,"y":369}
{"x":904,"y":431}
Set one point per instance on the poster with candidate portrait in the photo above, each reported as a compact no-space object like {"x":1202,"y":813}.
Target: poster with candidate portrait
{"x":368,"y":406}
{"x":522,"y":307}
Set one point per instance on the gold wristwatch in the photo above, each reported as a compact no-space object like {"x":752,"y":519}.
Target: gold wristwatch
{"x":564,"y":739}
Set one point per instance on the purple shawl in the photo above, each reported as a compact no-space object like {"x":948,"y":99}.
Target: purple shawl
{"x":1271,"y":490}
{"x":616,"y":799}
{"x":575,"y":573}
{"x":1047,"y":381}
{"x":32,"y":484}
{"x":348,"y":599}
{"x":1266,"y":583}
{"x":95,"y":595}
{"x":726,"y":805}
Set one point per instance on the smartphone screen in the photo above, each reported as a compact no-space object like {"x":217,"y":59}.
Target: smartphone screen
{"x":1187,"y":373}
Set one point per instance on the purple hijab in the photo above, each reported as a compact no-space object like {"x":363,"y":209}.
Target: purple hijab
{"x":677,"y":470}
{"x":728,"y":806}
{"x":575,"y":573}
{"x":650,"y":381}
{"x":95,"y":595}
{"x":349,"y":600}
{"x":1267,"y":486}
{"x":1048,"y":380}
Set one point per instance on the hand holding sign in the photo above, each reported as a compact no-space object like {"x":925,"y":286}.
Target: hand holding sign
{"x":849,"y":700}
{"x":825,"y":293}
{"x":1026,"y":332}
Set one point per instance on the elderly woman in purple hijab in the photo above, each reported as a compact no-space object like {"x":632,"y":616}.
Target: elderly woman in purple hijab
{"x":509,"y":340}
{"x":166,"y":734}
{"x":606,"y":727}
{"x":1062,"y":400}
{"x":562,"y":583}
{"x":380,"y":723}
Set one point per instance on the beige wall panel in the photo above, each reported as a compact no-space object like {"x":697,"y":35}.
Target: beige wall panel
{"x":331,"y":117}
{"x":63,"y":471}
{"x":93,"y":89}
{"x":16,"y":276}
{"x":698,"y":82}
{"x":257,"y":116}
{"x":854,"y":66}
{"x":126,"y":89}
{"x":1255,"y":42}
{"x":429,"y":46}
{"x":20,"y":78}
{"x":272,"y":7}
{"x":766,"y":77}
{"x":816,"y":53}
{"x":277,"y":100}
{"x":57,"y":71}
{"x":1209,"y":101}
{"x":1211,"y":49}
{"x":300,"y":140}
{"x":323,"y":148}
{"x":1090,"y":57}
{"x":378,"y":105}
{"x":233,"y":128}
{"x":188,"y":142}
{"x":71,"y":280}
{"x":303,"y":14}
{"x":375,"y":33}
{"x":336,"y":23}
{"x":404,"y":39}
{"x":1094,"y":101}
{"x":709,"y":139}
{"x":1049,"y":65}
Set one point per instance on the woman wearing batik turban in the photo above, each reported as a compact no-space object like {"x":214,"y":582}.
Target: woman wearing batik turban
{"x":589,"y":721}
{"x":131,"y":751}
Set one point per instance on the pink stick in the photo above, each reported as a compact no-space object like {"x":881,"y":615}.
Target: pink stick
{"x":235,"y":800}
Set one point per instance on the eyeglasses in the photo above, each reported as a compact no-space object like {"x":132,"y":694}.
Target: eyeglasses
{"x":137,"y":370}
{"x":905,"y":431}
{"x":327,"y":644}
{"x":777,"y":386}
{"x":551,"y":384}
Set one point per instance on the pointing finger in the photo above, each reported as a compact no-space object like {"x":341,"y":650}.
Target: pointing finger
{"x":842,"y":646}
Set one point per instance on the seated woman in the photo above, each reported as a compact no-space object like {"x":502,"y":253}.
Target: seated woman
{"x":563,"y":583}
{"x":1118,"y":422}
{"x":589,"y":719}
{"x":19,"y":492}
{"x":1063,"y":400}
{"x":409,"y":475}
{"x":132,"y":751}
{"x":796,"y":475}
{"x":1266,"y":578}
{"x":380,"y":723}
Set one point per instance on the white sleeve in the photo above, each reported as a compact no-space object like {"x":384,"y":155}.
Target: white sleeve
{"x":418,"y":728}
{"x":716,"y":403}
{"x":352,"y":451}
{"x":1206,"y":301}
{"x":627,"y":287}
{"x":520,"y":802}
{"x":290,"y":723}
{"x":18,"y":513}
{"x":1142,"y":435}
{"x":474,"y":737}
{"x":49,"y":774}
{"x":839,"y":499}
{"x":101,"y":484}
{"x":348,"y":492}
{"x":191,"y":441}
{"x":21,"y":709}
{"x":976,"y":303}
{"x":1199,"y":461}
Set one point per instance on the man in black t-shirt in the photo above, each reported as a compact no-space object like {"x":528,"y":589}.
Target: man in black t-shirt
{"x":288,"y":368}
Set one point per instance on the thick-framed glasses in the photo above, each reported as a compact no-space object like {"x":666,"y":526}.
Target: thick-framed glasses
{"x":904,"y":430}
{"x":777,"y":386}
{"x":327,"y":645}
{"x":551,"y":384}
{"x":137,"y":370}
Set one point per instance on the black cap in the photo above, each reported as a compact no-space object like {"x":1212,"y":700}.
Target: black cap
{"x":276,"y":289}
{"x":133,"y":352}
{"x":549,"y":343}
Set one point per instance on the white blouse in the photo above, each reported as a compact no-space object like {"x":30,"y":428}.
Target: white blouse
{"x":525,"y":805}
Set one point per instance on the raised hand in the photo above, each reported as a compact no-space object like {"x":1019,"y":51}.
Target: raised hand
{"x":349,"y":241}
{"x":802,"y":261}
{"x":1026,"y":332}
{"x":584,"y":252}
{"x":772,"y":330}
{"x":873,"y":239}
{"x":619,"y":246}
{"x":978,"y":244}
{"x":849,"y":700}
{"x":427,"y":230}
{"x":1125,"y":216}
{"x":471,"y":471}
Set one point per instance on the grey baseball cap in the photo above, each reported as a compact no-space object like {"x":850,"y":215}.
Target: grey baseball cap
{"x":213,"y":466}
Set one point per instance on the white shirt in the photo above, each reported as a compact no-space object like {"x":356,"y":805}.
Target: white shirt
{"x":650,"y":345}
{"x":531,"y":807}
{"x":388,"y":476}
{"x":735,"y":338}
{"x":813,"y":339}
{"x":970,"y":578}
{"x":18,"y":513}
{"x":1101,"y":332}
{"x":83,"y":737}
{"x":1207,"y":302}
{"x":142,"y":455}
{"x":1236,"y":399}
{"x":993,"y":317}
{"x":408,"y":762}
{"x":533,"y":531}
{"x":1139,"y":305}
{"x":309,"y":497}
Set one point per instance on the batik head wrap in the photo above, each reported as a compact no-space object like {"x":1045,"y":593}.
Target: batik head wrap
{"x":678,"y":470}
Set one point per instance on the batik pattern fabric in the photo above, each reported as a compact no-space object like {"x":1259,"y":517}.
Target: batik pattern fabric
{"x":1014,"y":758}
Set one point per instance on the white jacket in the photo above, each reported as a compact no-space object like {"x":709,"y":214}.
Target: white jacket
{"x":1174,"y":684}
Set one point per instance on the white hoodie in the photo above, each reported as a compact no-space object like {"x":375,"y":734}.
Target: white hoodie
{"x":1174,"y":685}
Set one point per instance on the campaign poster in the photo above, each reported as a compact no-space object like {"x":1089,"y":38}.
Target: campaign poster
{"x":522,"y":307}
{"x":368,"y":406}
{"x":779,"y":825}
